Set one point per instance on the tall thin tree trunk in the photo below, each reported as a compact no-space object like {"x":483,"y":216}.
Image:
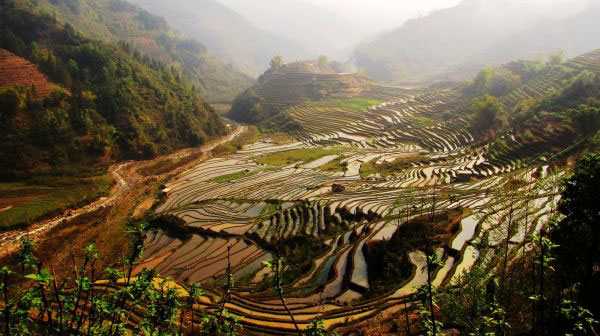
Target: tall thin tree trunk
{"x":6,"y":305}
{"x":587,"y":290}
{"x":407,"y":318}
{"x":280,"y":291}
{"x":542,"y":324}
{"x":429,"y":286}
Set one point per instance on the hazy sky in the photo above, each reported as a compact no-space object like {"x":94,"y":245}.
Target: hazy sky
{"x":383,"y":14}
{"x":376,"y":15}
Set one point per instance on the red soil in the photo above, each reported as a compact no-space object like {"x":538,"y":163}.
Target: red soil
{"x":16,"y":71}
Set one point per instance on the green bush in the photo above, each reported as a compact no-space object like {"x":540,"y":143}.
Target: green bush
{"x":487,"y":111}
{"x":9,"y":102}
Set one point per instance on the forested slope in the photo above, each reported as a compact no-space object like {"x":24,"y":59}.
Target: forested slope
{"x":119,"y":20}
{"x":113,"y":102}
{"x":237,"y":42}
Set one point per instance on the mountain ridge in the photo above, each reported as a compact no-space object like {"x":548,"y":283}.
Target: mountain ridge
{"x":120,"y":20}
{"x":239,"y":42}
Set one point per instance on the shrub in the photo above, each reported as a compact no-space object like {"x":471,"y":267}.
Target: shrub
{"x":494,"y":81}
{"x":149,"y":150}
{"x":487,"y":110}
{"x":9,"y":102}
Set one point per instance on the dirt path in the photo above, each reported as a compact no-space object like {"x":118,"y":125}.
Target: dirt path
{"x":125,"y":176}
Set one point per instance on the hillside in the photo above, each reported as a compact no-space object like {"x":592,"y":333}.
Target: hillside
{"x":292,"y":84}
{"x":429,"y":47}
{"x":317,"y":29}
{"x":238,"y":42}
{"x":119,"y":20}
{"x":112,"y":103}
{"x":18,"y":72}
{"x":379,"y":177}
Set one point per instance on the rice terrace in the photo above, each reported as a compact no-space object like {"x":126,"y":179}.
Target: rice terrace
{"x":326,"y":198}
{"x":286,"y":195}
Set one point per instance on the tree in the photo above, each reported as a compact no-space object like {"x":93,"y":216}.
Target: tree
{"x":474,"y":307}
{"x":556,"y":58}
{"x":276,"y":63}
{"x":323,"y":61}
{"x":578,"y":234}
{"x":494,"y":81}
{"x":487,"y":110}
{"x":586,"y":119}
{"x":9,"y":102}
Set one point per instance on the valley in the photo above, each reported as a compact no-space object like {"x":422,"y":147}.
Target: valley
{"x":216,"y":167}
{"x":331,"y":197}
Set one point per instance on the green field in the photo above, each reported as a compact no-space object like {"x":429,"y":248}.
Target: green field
{"x":234,"y":176}
{"x":295,"y":155}
{"x":423,"y":121}
{"x":26,"y":202}
{"x":334,"y":165}
{"x":358,"y":104}
{"x":388,"y":168}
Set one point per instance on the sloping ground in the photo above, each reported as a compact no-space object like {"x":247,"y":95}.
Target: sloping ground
{"x":292,"y":85}
{"x":554,"y":79}
{"x":18,"y":72}
{"x":289,"y":88}
{"x":386,"y":158}
{"x":124,"y":105}
{"x":121,"y":21}
{"x":306,"y":206}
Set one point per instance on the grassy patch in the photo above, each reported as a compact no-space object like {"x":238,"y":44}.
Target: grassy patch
{"x":388,"y":168}
{"x":251,"y":136}
{"x":36,"y":199}
{"x":358,"y":104}
{"x":423,"y":121}
{"x":278,"y":138}
{"x":335,"y":165}
{"x":295,"y":155}
{"x":269,"y":209}
{"x":234,"y":176}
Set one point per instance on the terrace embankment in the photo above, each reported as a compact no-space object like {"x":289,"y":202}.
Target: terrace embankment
{"x":18,"y":72}
{"x":378,"y":180}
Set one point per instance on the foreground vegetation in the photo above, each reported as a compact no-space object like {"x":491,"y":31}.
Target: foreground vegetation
{"x":115,"y":301}
{"x":545,"y":289}
{"x":539,"y":290}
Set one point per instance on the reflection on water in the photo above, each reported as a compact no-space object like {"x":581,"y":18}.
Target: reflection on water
{"x":199,"y":258}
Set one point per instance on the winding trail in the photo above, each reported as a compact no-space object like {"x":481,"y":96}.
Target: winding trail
{"x":125,"y":177}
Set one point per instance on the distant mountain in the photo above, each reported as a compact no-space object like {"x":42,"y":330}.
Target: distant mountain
{"x":430,"y":46}
{"x":226,"y":33}
{"x":119,"y":20}
{"x":317,"y":29}
{"x":573,"y":36}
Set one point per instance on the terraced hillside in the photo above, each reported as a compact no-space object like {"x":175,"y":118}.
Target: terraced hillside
{"x":18,"y":72}
{"x":370,"y":165}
